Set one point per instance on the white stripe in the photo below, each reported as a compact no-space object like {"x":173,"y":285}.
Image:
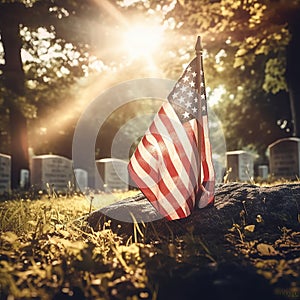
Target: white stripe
{"x":182,"y":136}
{"x":208,"y":149}
{"x":177,"y":163}
{"x":144,"y":176}
{"x":165,"y":175}
{"x":150,"y":183}
{"x":146,"y":155}
{"x":181,"y":133}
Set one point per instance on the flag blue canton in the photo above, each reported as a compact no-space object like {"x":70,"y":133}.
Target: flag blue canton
{"x":185,"y":98}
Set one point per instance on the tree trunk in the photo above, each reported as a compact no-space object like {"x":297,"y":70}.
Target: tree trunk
{"x":13,"y":75}
{"x":293,"y":74}
{"x":19,"y":144}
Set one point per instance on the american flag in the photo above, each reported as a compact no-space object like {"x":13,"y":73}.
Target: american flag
{"x":166,"y":163}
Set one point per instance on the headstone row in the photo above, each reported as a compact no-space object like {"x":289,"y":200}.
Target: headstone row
{"x":111,"y":174}
{"x":284,"y":162}
{"x":56,"y":173}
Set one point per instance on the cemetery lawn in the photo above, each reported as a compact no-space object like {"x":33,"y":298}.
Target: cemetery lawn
{"x":48,"y":251}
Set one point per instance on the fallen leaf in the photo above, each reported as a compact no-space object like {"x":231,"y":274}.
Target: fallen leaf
{"x":9,"y":237}
{"x":266,"y":249}
{"x":250,"y":228}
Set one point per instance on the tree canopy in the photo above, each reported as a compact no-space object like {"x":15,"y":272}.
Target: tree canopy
{"x":42,"y":55}
{"x":252,"y":48}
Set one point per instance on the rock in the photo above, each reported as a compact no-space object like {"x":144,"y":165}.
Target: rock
{"x":235,"y":203}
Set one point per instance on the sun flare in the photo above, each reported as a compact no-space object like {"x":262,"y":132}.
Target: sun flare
{"x":142,"y":41}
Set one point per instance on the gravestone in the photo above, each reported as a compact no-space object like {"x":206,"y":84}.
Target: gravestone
{"x":113,"y":173}
{"x":285,"y":158}
{"x":263,"y":171}
{"x":240,"y":165}
{"x":5,"y":173}
{"x":219,"y":167}
{"x":81,"y":179}
{"x":54,"y":170}
{"x":24,"y":178}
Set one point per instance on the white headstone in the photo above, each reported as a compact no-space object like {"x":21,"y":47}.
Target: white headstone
{"x":5,"y":173}
{"x":263,"y":171}
{"x":54,"y":170}
{"x":113,"y":173}
{"x":285,"y":158}
{"x":240,"y":165}
{"x":24,"y":178}
{"x":81,"y":178}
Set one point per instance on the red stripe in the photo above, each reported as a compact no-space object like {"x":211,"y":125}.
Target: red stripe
{"x":186,"y":162}
{"x":173,"y":173}
{"x":144,"y":165}
{"x":146,"y":191}
{"x":203,"y":158}
{"x":170,"y":166}
{"x":207,"y":154}
{"x":165,"y":191}
{"x":151,"y":148}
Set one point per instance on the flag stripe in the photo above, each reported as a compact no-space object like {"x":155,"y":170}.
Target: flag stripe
{"x":179,"y":160}
{"x":167,"y":161}
{"x":143,"y":175}
{"x":163,"y":190}
{"x":144,"y":157}
{"x":184,"y":135}
{"x":163,"y":208}
{"x":170,"y":175}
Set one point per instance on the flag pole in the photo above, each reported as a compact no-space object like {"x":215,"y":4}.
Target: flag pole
{"x":198,"y":49}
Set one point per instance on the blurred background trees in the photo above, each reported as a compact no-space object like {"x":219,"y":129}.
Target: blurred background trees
{"x":257,"y":44}
{"x":56,"y":56}
{"x":43,"y":53}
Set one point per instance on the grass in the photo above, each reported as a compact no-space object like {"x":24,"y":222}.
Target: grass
{"x":48,"y":251}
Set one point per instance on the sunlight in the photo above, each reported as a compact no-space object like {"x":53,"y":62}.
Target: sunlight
{"x":216,"y":95}
{"x":142,"y":41}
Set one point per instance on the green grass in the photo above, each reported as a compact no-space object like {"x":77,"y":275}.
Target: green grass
{"x":48,"y":251}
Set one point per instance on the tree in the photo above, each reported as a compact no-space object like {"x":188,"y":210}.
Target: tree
{"x":253,"y":28}
{"x":26,"y":83}
{"x":257,"y":45}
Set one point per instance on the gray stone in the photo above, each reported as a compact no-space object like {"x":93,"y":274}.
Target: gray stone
{"x":113,"y":174}
{"x":5,"y":173}
{"x":263,"y":171}
{"x":219,"y":166}
{"x":240,"y":165}
{"x":53,"y":170}
{"x":81,"y":180}
{"x":235,"y":203}
{"x":285,"y":158}
{"x":24,"y":178}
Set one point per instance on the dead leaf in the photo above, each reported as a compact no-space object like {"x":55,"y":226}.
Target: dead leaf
{"x":250,"y":228}
{"x":266,"y":249}
{"x":9,"y":237}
